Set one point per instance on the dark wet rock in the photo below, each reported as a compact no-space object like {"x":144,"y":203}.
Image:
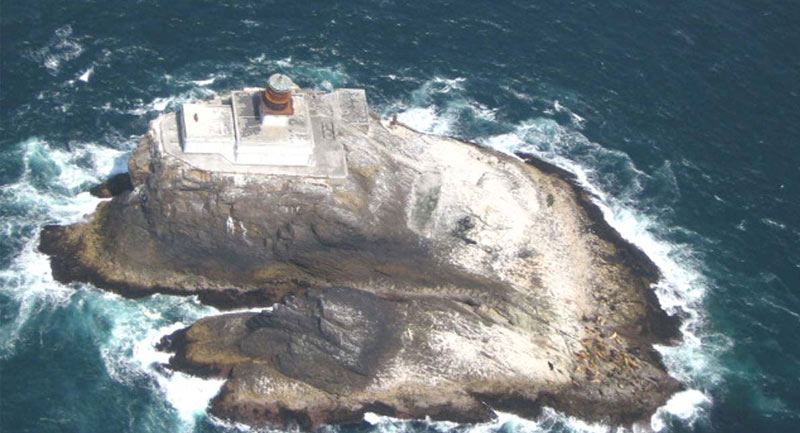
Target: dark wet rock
{"x":344,"y":332}
{"x":113,"y":186}
{"x":331,"y":355}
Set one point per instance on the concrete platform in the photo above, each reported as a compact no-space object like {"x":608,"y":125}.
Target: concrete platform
{"x":351,"y":107}
{"x":327,"y":158}
{"x":307,"y":143}
{"x":208,"y":128}
{"x":273,"y":140}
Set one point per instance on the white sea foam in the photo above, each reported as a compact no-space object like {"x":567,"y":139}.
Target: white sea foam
{"x":576,"y":120}
{"x":188,"y":394}
{"x":251,"y":23}
{"x":426,"y":119}
{"x":45,"y":193}
{"x":194,"y":87}
{"x":163,"y":103}
{"x":228,"y":426}
{"x":49,"y":191}
{"x":52,"y":178}
{"x":682,"y":405}
{"x":441,"y":106}
{"x":307,"y":73}
{"x":205,"y":82}
{"x":549,"y":421}
{"x":29,"y":281}
{"x":285,"y":62}
{"x":774,"y":224}
{"x":86,"y":74}
{"x":129,"y":352}
{"x":61,"y":48}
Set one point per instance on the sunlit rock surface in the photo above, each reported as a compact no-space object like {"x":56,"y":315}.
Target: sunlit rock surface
{"x":437,"y":278}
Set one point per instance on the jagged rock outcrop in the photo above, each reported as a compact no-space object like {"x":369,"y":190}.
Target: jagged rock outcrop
{"x":437,"y":279}
{"x":330,"y":355}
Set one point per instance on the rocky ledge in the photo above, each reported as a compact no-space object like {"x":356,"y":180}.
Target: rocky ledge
{"x":438,"y":278}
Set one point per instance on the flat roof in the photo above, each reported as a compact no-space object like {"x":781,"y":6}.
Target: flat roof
{"x":317,"y":126}
{"x":284,"y":131}
{"x":207,"y":122}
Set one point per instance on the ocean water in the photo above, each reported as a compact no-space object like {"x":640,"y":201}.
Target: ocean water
{"x":682,"y":118}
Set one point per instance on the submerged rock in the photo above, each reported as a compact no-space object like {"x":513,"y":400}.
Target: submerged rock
{"x":436,"y":278}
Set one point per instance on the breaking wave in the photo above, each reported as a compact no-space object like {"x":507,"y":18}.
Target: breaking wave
{"x":549,"y":421}
{"x":441,"y":106}
{"x":173,"y":102}
{"x":51,"y":189}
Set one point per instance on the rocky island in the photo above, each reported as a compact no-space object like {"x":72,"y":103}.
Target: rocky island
{"x":399,"y":273}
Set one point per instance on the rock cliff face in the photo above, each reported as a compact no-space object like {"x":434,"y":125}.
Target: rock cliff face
{"x":437,"y":279}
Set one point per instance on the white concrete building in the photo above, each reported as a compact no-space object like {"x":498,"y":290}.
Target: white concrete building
{"x":251,"y":129}
{"x":283,"y":131}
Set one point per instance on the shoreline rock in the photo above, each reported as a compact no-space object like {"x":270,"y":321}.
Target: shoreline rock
{"x":113,"y":186}
{"x":439,"y":278}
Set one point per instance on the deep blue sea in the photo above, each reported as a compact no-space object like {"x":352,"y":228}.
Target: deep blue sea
{"x":683,"y":117}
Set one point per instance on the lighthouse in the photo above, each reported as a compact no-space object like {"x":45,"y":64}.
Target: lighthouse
{"x":278,"y":129}
{"x":277,"y":98}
